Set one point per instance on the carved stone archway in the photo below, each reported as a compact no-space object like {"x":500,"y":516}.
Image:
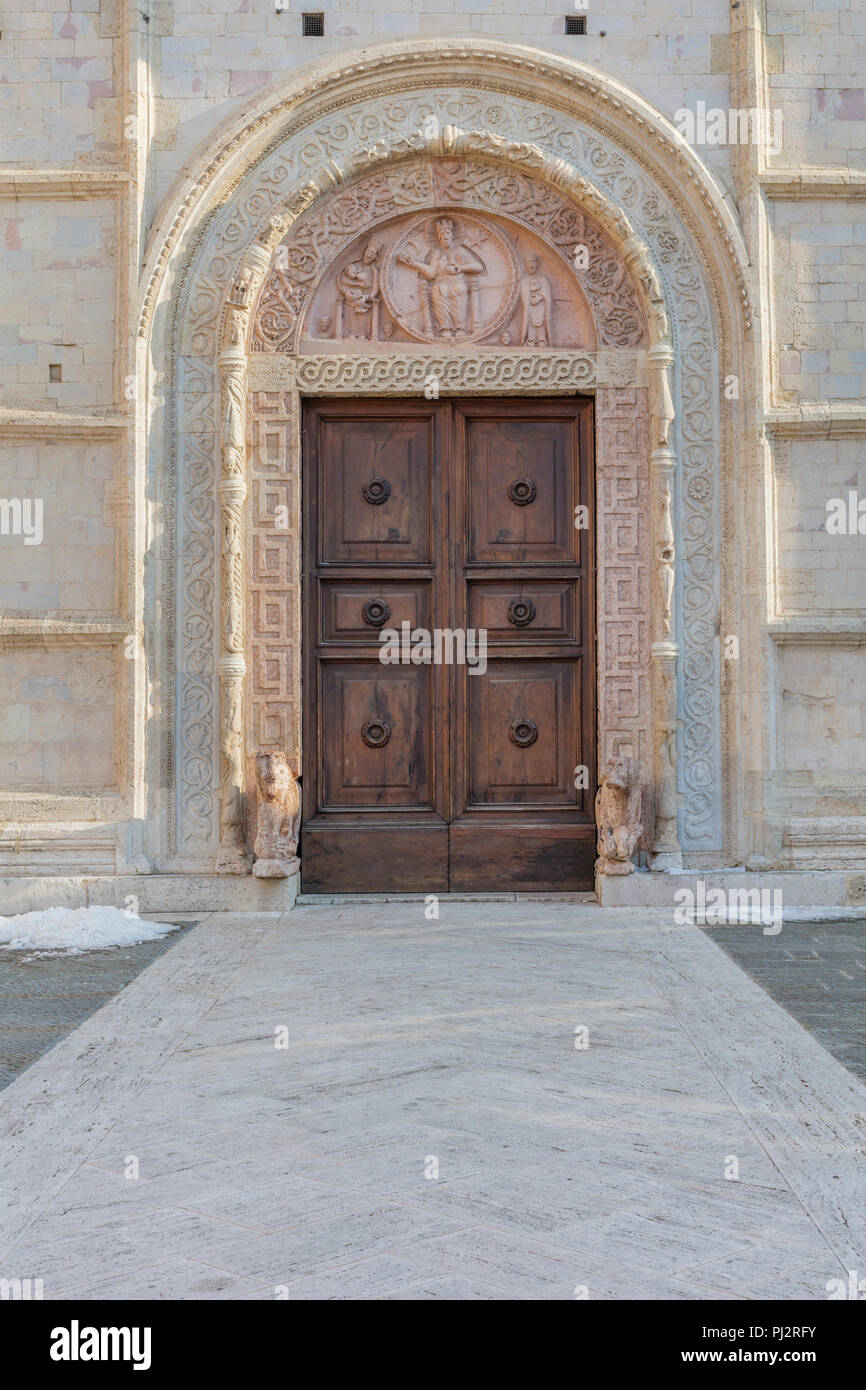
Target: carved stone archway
{"x":236,"y":429}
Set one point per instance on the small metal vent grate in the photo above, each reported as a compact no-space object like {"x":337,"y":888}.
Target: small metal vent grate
{"x":575,"y":24}
{"x":314,"y":25}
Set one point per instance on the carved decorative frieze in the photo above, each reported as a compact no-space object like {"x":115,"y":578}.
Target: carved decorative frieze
{"x":548,"y":372}
{"x":197,"y":701}
{"x":274,"y":590}
{"x":415,"y":372}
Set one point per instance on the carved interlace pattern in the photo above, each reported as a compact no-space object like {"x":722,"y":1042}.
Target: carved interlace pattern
{"x":552,"y":371}
{"x":198,"y":699}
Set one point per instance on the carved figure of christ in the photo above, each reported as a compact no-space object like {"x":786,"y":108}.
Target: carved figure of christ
{"x":445,"y":269}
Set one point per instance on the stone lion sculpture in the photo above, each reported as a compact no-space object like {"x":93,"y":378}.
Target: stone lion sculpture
{"x":618,"y":817}
{"x":278,"y":820}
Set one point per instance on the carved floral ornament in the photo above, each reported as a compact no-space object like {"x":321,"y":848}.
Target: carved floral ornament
{"x":370,"y":145}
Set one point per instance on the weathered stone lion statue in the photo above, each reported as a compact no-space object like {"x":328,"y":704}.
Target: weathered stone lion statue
{"x":278,"y":819}
{"x":618,"y":817}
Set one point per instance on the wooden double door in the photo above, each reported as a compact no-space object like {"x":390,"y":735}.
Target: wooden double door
{"x":441,"y":526}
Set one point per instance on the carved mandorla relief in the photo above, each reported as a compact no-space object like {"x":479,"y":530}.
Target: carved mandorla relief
{"x":362,"y":136}
{"x":449,"y":280}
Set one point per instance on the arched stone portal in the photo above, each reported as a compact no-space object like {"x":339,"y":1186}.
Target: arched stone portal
{"x":259,"y":295}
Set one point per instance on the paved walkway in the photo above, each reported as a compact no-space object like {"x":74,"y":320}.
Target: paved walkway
{"x":817,"y":971}
{"x":431,"y":1130}
{"x":43,"y":996}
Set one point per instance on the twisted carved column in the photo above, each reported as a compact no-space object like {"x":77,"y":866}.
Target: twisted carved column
{"x":233,"y":856}
{"x":665,"y":651}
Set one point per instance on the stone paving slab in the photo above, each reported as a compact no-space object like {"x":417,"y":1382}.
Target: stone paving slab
{"x":44,"y":995}
{"x":431,"y":1131}
{"x":817,"y":971}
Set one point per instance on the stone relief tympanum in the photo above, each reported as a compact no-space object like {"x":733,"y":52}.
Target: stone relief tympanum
{"x":456,"y":253}
{"x":446,"y":279}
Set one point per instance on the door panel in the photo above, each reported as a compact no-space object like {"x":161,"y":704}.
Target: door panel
{"x":375,"y":484}
{"x":533,"y":609}
{"x":376,"y":734}
{"x":357,"y":610}
{"x":521,"y":491}
{"x":448,"y":515}
{"x":521,"y":720}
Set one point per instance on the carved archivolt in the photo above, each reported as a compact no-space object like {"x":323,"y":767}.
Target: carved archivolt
{"x":368,"y":146}
{"x":319,"y":115}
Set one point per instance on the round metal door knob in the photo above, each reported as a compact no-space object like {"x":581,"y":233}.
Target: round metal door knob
{"x":376,"y":612}
{"x":376,"y":491}
{"x":522,"y":491}
{"x":521,"y":611}
{"x":376,"y":732}
{"x":523,"y":732}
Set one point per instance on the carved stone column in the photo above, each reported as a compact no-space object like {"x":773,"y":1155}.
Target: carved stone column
{"x":233,"y":856}
{"x":665,"y":651}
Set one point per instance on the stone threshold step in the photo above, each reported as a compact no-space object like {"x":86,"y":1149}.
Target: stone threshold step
{"x":350,"y":899}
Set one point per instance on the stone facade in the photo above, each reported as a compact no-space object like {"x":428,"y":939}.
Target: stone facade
{"x":187,"y":198}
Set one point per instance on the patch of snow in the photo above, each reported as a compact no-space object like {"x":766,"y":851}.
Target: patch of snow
{"x":77,"y":929}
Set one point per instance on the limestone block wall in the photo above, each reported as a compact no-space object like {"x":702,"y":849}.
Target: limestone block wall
{"x":816,"y":61}
{"x":820,"y":573}
{"x":219,"y":52}
{"x":819,"y":250}
{"x":76,"y":568}
{"x":107,"y":102}
{"x":58,"y":722}
{"x":59,"y":304}
{"x":62,"y":87}
{"x":821,"y":728}
{"x":815,"y":407}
